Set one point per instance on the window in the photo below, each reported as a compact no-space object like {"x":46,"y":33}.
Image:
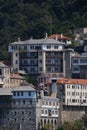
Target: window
{"x":40,"y":61}
{"x":17,"y":93}
{"x":73,"y":93}
{"x":16,"y":62}
{"x":75,"y":60}
{"x":0,"y":72}
{"x":30,"y":119}
{"x":22,"y":119}
{"x":73,"y":100}
{"x":21,"y":93}
{"x":29,"y":112}
{"x":42,"y":111}
{"x":31,"y":102}
{"x":31,"y":47}
{"x":14,"y":93}
{"x":23,"y":101}
{"x":48,"y":47}
{"x":45,"y":111}
{"x":15,"y":113}
{"x":75,"y":69}
{"x":40,"y":68}
{"x":22,"y":112}
{"x":15,"y":119}
{"x":49,"y":112}
{"x":29,"y":93}
{"x":42,"y":102}
{"x":49,"y":102}
{"x":53,"y":103}
{"x":46,"y":102}
{"x":83,"y":60}
{"x":25,"y":47}
{"x":56,"y":47}
{"x":16,"y":54}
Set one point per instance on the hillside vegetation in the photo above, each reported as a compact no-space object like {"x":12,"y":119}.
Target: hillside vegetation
{"x":26,"y":18}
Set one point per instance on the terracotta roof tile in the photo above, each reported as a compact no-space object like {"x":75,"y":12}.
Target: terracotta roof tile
{"x":72,"y":81}
{"x":59,"y":37}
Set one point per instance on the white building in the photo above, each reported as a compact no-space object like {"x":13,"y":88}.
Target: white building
{"x":37,"y":56}
{"x":48,"y":112}
{"x":73,"y":94}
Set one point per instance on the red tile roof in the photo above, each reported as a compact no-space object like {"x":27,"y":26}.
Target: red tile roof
{"x":7,"y":62}
{"x":72,"y":81}
{"x":59,"y":36}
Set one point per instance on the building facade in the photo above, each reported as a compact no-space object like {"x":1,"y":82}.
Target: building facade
{"x":37,"y":56}
{"x":48,"y":112}
{"x":79,"y":63}
{"x":22,"y":111}
{"x":73,"y":94}
{"x":4,"y":75}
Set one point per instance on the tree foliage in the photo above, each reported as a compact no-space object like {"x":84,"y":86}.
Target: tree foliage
{"x":25,"y":18}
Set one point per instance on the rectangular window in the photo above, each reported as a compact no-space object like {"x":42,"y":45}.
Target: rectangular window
{"x":16,"y":54}
{"x":21,"y":93}
{"x":31,"y":47}
{"x":16,"y":62}
{"x":17,"y":93}
{"x":48,"y":47}
{"x":42,"y":111}
{"x":14,"y":93}
{"x":29,"y":93}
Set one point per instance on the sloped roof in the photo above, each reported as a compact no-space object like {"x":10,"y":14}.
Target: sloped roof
{"x":59,"y":36}
{"x":38,"y":41}
{"x":16,"y":76}
{"x":2,"y":64}
{"x":72,"y":81}
{"x":24,"y":88}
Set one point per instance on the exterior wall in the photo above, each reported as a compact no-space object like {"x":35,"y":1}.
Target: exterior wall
{"x":15,"y":60}
{"x":67,"y":62}
{"x":5,"y":76}
{"x":48,"y":112}
{"x":16,"y":82}
{"x":71,"y":115}
{"x":36,"y":64}
{"x":22,"y":113}
{"x":79,"y":66}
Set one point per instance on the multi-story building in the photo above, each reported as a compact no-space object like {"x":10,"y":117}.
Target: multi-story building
{"x":49,"y":108}
{"x":21,"y":104}
{"x":4,"y":75}
{"x":79,"y":66}
{"x":73,"y":94}
{"x":79,"y":63}
{"x":37,"y":56}
{"x":9,"y":79}
{"x":48,"y":112}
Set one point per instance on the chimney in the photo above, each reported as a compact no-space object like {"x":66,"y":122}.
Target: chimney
{"x":54,"y":85}
{"x":19,"y":39}
{"x":56,"y":37}
{"x":46,"y":35}
{"x":61,"y":35}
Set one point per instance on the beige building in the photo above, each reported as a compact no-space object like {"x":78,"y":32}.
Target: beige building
{"x":9,"y":79}
{"x":16,"y":80}
{"x":73,"y":94}
{"x":4,"y":75}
